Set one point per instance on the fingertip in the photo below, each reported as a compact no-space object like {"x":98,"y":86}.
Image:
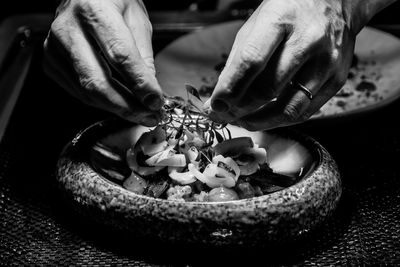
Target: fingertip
{"x":153,"y":101}
{"x":150,"y":121}
{"x":149,"y":93}
{"x":220,"y":105}
{"x":215,"y":118}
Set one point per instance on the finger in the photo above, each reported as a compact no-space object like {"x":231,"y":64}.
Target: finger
{"x":292,"y":104}
{"x":242,"y":35}
{"x":283,"y":65}
{"x":138,"y":23}
{"x":335,"y":83}
{"x":249,"y":59}
{"x":108,"y":28}
{"x":330,"y":88}
{"x":95,"y":83}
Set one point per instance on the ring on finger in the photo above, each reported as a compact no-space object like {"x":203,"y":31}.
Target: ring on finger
{"x":303,"y":88}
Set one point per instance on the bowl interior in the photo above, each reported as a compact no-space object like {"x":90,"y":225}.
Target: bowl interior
{"x":287,"y":154}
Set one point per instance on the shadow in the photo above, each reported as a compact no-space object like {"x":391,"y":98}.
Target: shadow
{"x":141,"y":248}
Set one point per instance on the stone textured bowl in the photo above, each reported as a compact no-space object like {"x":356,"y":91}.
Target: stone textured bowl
{"x":280,"y":216}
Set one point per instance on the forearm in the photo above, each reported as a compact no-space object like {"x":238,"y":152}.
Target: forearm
{"x":358,"y":12}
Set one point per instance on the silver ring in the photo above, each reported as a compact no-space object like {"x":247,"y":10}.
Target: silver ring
{"x":305,"y":90}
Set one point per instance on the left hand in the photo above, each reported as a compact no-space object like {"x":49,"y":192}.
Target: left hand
{"x":300,"y":41}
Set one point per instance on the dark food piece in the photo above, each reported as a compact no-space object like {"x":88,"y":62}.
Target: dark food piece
{"x":108,"y":163}
{"x":265,"y":177}
{"x":344,"y":93}
{"x":351,"y":75}
{"x":157,"y":187}
{"x":141,"y":159}
{"x":272,"y":189}
{"x":198,"y":186}
{"x":245,"y":190}
{"x":365,"y":86}
{"x":341,"y":104}
{"x":257,"y":191}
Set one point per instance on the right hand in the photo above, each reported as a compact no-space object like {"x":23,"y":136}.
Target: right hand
{"x":87,"y":39}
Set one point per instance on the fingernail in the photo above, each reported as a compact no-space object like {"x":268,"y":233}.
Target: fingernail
{"x":153,"y":101}
{"x":214,"y":117}
{"x":149,"y":121}
{"x":220,"y":105}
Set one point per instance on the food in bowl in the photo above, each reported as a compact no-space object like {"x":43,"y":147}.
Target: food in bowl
{"x":191,"y":158}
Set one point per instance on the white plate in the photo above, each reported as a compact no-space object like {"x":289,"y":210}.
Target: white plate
{"x":192,"y":59}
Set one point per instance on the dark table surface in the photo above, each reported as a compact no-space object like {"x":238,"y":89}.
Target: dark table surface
{"x":37,"y":227}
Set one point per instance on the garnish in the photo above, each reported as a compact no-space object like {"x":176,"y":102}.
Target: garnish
{"x":187,"y":115}
{"x":189,"y":157}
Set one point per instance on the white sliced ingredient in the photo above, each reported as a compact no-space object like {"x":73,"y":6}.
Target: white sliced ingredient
{"x":230,"y":162}
{"x":182,"y":178}
{"x":131,"y":159}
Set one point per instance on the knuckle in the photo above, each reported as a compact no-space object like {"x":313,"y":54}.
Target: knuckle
{"x":291,"y":113}
{"x":88,"y":10}
{"x":149,"y":61}
{"x":334,"y":56}
{"x":316,"y":34}
{"x":61,"y":27}
{"x":56,"y":28}
{"x":147,"y":25}
{"x":118,"y":53}
{"x":142,"y":81}
{"x":93,"y":85}
{"x":251,"y":57}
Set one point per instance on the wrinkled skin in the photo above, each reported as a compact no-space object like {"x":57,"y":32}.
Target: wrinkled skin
{"x":300,"y":41}
{"x":89,"y":38}
{"x":310,"y":42}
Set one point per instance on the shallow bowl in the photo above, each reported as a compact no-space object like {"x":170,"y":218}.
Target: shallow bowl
{"x":276,"y":217}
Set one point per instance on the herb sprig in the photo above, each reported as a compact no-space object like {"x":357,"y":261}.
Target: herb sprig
{"x":182,"y":115}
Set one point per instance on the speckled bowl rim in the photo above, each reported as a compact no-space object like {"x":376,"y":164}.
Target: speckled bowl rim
{"x":306,"y":203}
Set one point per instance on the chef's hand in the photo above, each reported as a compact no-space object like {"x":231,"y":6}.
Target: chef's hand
{"x":87,"y":39}
{"x":286,"y":48}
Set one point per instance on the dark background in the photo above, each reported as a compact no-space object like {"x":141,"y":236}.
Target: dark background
{"x":37,"y":228}
{"x":8,"y":8}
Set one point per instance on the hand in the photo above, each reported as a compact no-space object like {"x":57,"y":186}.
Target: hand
{"x":307,"y":42}
{"x":90,"y":38}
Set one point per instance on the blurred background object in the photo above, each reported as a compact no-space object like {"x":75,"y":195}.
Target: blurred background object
{"x":9,"y":8}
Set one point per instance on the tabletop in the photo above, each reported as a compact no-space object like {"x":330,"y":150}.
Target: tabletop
{"x":38,"y":228}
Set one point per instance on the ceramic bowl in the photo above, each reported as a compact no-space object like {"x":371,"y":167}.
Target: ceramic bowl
{"x":275,"y":217}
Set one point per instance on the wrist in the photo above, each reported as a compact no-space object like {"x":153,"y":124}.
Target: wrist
{"x":358,"y":13}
